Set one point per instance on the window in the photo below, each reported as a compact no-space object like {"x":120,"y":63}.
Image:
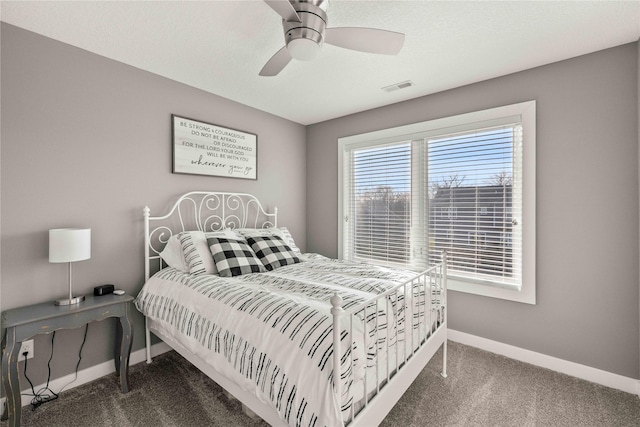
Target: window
{"x":464,"y":185}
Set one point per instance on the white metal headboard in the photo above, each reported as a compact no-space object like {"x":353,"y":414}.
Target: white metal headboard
{"x":203,"y":211}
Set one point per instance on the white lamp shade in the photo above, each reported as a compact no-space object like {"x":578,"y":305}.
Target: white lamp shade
{"x":69,"y":244}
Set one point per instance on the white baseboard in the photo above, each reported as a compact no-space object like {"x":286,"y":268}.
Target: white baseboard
{"x":598,"y":376}
{"x":94,"y":372}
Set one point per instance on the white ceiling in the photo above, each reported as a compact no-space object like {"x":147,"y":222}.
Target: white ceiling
{"x":220,"y":46}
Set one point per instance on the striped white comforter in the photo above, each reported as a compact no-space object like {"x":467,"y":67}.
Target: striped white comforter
{"x":271,"y":333}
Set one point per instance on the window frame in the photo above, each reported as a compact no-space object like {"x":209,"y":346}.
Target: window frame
{"x":525,"y":112}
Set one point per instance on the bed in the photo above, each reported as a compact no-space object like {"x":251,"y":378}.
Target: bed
{"x":229,"y":290}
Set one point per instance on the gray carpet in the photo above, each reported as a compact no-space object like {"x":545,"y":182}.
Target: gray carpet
{"x":483,"y":389}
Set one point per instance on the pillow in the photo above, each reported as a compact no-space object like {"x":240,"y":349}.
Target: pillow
{"x":172,"y":254}
{"x":233,"y":257}
{"x":283,"y":232}
{"x":288,"y":238}
{"x":195,"y":250}
{"x":256,"y":232}
{"x":272,"y":251}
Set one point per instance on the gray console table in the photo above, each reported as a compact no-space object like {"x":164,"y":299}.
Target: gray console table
{"x":23,"y":323}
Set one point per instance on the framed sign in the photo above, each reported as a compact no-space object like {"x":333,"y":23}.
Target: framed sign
{"x":206,"y":149}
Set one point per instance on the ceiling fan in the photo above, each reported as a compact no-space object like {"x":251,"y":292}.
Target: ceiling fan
{"x":305,"y":30}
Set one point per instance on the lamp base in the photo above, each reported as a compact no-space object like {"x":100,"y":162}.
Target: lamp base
{"x":72,"y":301}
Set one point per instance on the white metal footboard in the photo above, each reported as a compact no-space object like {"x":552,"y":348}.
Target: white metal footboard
{"x":420,"y":329}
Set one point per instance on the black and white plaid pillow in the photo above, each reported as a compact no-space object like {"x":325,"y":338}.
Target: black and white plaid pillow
{"x":233,"y":257}
{"x":272,"y":251}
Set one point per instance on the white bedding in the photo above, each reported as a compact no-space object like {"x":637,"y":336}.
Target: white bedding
{"x":271,"y":333}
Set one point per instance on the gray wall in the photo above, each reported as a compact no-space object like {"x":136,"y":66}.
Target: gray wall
{"x":587,"y":205}
{"x":86,"y":142}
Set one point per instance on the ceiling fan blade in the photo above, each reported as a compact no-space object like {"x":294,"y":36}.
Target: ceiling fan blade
{"x":285,"y":9}
{"x":276,"y":63}
{"x":370,"y":40}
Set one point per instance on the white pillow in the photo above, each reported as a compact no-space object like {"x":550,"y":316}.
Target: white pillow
{"x":195,"y":250}
{"x":258,"y":232}
{"x":172,"y":254}
{"x":288,"y":238}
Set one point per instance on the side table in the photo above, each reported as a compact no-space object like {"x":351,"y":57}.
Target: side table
{"x":23,"y":323}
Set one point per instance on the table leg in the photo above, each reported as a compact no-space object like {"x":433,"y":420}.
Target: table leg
{"x":117,"y":345}
{"x":122,"y":349}
{"x":10,"y":377}
{"x":2,"y":348}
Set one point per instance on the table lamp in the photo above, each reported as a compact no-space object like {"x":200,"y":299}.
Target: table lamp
{"x":69,"y":245}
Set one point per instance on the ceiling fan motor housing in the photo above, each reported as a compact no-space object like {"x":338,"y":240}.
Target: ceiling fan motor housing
{"x":311,"y":29}
{"x":305,"y":31}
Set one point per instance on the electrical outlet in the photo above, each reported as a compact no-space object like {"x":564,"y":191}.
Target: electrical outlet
{"x":27,"y":346}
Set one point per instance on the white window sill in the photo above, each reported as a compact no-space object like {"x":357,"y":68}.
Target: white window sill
{"x":501,"y":291}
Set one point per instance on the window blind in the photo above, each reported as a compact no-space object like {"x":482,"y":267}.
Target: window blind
{"x":407,"y":201}
{"x":475,"y":202}
{"x":379,"y":200}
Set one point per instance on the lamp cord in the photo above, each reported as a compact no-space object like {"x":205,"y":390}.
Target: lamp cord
{"x":45,"y":394}
{"x":84,"y":340}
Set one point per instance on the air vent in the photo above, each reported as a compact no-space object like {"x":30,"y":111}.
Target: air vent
{"x":398,"y":86}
